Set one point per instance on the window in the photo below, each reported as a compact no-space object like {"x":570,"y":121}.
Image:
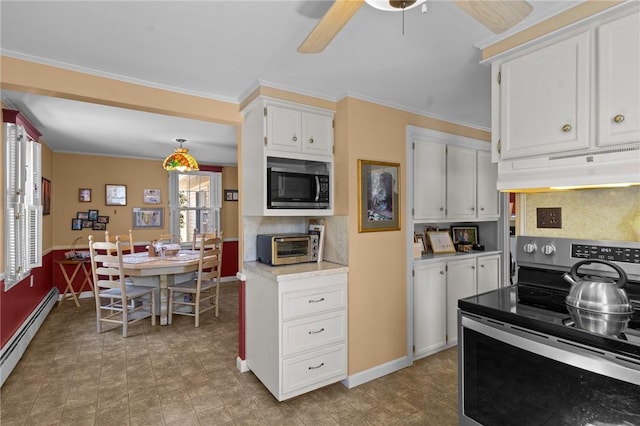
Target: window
{"x":23,"y":209}
{"x":194,"y":203}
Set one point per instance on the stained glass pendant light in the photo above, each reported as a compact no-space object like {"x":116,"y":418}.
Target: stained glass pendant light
{"x":180,"y":160}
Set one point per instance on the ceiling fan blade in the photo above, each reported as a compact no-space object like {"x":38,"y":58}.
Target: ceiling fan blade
{"x":329,"y":25}
{"x":497,"y":15}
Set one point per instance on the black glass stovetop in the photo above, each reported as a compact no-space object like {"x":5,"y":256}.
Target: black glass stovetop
{"x":537,"y":302}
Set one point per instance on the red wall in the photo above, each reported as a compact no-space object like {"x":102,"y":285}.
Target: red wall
{"x":18,"y":303}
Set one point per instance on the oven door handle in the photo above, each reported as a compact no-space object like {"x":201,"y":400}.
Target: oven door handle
{"x":566,"y":352}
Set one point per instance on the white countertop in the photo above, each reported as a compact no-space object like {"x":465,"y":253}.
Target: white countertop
{"x":297,"y":271}
{"x":426,"y":258}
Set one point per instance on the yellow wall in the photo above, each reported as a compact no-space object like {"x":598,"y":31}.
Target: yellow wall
{"x":72,"y":172}
{"x":229,"y":208}
{"x":590,"y":214}
{"x":377,"y":260}
{"x":377,"y":277}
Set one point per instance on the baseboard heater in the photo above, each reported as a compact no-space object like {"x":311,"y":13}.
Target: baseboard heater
{"x":17,"y":345}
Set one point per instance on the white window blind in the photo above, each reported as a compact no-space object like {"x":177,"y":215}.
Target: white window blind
{"x":23,"y":194}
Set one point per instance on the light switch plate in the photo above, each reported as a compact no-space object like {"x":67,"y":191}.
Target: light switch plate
{"x":549,"y":217}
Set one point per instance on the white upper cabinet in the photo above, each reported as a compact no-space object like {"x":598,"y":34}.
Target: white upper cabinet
{"x":277,"y":133}
{"x":453,"y":182}
{"x":461,"y":182}
{"x":429,"y":180}
{"x":487,"y":172}
{"x":298,"y":130}
{"x":619,"y":81}
{"x":545,"y":98}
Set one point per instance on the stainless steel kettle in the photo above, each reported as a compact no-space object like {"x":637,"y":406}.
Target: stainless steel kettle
{"x":598,"y":294}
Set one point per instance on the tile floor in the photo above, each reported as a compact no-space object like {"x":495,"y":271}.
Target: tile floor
{"x":181,"y":375}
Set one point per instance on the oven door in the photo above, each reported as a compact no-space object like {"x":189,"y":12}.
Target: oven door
{"x":512,"y":376}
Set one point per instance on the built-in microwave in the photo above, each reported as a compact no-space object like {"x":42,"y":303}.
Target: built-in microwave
{"x":294,"y":188}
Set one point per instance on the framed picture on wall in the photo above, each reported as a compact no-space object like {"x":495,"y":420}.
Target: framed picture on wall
{"x":76,"y":224}
{"x":116,"y":195}
{"x":46,"y":196}
{"x":151,"y":196}
{"x":84,"y":195}
{"x":378,"y":196}
{"x":148,"y":218}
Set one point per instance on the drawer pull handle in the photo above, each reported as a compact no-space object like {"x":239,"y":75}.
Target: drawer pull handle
{"x":566,"y":128}
{"x":316,"y":300}
{"x":317,"y":366}
{"x":618,"y":119}
{"x":316,"y":331}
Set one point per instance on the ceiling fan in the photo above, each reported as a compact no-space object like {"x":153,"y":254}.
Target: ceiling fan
{"x":497,"y":15}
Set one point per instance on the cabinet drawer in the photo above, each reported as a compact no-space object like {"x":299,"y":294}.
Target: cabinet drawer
{"x":313,"y":332}
{"x":310,"y":371}
{"x":296,"y":304}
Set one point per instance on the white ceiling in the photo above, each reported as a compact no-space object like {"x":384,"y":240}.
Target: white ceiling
{"x":223,"y":49}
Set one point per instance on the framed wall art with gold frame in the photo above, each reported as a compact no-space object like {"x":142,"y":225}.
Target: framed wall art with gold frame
{"x":378,"y":196}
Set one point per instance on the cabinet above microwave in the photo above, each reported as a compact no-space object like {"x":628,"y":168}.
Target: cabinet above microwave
{"x":287,"y":160}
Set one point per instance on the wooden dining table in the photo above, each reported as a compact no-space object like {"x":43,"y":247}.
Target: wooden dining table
{"x":161,"y":272}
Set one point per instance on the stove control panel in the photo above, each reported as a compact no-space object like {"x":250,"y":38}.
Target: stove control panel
{"x":611,"y":253}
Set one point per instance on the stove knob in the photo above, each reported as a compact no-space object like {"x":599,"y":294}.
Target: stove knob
{"x":529,"y":248}
{"x":548,"y":249}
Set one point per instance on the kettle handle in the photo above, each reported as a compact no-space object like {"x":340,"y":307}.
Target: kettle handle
{"x":622,"y":280}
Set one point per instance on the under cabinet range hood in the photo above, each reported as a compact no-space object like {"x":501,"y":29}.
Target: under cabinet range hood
{"x":594,"y":168}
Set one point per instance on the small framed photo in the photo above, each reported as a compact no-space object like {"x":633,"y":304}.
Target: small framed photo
{"x":84,"y":195}
{"x":115,"y":195}
{"x":441,"y":242}
{"x":151,"y":196}
{"x":82,"y":215}
{"x":103,"y":219}
{"x":93,"y":215}
{"x":148,"y":218}
{"x":464,"y":234}
{"x":76,"y":224}
{"x":87,"y":223}
{"x":98,"y":226}
{"x":419,"y":238}
{"x":231,"y":195}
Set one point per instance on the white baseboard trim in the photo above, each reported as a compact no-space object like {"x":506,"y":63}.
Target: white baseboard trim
{"x":241,"y":364}
{"x":17,"y":345}
{"x":376,"y":372}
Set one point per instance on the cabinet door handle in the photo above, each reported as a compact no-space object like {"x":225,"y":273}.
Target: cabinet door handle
{"x":482,"y":266}
{"x":441,"y":272}
{"x":317,"y":366}
{"x":619,"y":118}
{"x":566,"y":128}
{"x":316,"y":331}
{"x":473,"y":208}
{"x":295,"y":139}
{"x":441,"y":208}
{"x":473,"y":267}
{"x":316,"y":300}
{"x":481,"y":209}
{"x":311,"y":140}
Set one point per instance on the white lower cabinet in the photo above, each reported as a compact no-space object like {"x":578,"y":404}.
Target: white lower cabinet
{"x":488,"y":277}
{"x":296,"y":331}
{"x":429,"y":309}
{"x":437,"y":286}
{"x":461,"y":282}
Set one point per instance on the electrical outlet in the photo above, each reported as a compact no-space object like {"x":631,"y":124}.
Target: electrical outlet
{"x":549,"y":217}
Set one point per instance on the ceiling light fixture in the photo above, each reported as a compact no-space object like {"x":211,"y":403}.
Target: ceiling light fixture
{"x":180,"y":160}
{"x":396,"y":5}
